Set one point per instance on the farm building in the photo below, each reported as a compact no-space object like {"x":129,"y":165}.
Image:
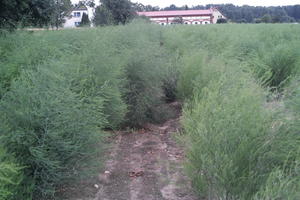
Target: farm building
{"x":196,"y":17}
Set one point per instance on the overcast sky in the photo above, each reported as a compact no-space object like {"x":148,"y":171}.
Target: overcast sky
{"x":165,"y":3}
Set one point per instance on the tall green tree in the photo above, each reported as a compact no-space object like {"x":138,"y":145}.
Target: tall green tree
{"x":10,"y":12}
{"x":102,"y":16}
{"x":59,"y":9}
{"x":85,"y":21}
{"x":114,"y":11}
{"x":24,"y":12}
{"x":139,"y":7}
{"x":293,"y":11}
{"x":14,"y":13}
{"x":250,"y":14}
{"x":172,"y":7}
{"x":267,"y":18}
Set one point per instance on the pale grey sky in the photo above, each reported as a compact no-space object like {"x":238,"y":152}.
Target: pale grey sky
{"x":164,"y":3}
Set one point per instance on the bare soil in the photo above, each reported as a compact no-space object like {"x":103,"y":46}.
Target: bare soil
{"x":146,"y":164}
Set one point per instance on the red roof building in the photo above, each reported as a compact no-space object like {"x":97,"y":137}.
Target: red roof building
{"x":209,"y":16}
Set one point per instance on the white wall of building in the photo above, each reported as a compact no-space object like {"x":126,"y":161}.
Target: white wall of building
{"x":197,"y":20}
{"x":193,"y":20}
{"x":217,"y":15}
{"x":73,"y":20}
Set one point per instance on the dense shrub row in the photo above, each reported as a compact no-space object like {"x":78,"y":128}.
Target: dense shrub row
{"x":61,"y":89}
{"x":242,"y":143}
{"x":225,"y":124}
{"x":49,"y":129}
{"x":145,"y":62}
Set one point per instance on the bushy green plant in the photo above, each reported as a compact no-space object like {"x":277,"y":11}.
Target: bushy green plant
{"x":284,"y":182}
{"x":274,"y":61}
{"x":226,"y":126}
{"x":144,"y":71}
{"x":143,"y":87}
{"x":281,"y":160}
{"x":283,"y":63}
{"x":51,"y":130}
{"x":96,"y":74}
{"x":10,"y":177}
{"x":280,"y":186}
{"x":196,"y":73}
{"x":245,"y":49}
{"x":170,"y":80}
{"x":25,"y":50}
{"x":192,"y":68}
{"x":238,"y":149}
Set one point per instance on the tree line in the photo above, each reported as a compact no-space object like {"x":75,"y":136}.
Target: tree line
{"x":241,"y":14}
{"x":258,"y":14}
{"x":51,"y":13}
{"x":37,"y":13}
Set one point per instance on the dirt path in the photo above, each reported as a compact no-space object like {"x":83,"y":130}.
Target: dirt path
{"x":142,"y":165}
{"x":145,"y":165}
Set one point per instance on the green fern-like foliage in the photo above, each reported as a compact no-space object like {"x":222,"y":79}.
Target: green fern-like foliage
{"x":10,"y":177}
{"x":49,"y":129}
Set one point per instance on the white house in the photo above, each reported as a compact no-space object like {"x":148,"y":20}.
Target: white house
{"x":73,"y":19}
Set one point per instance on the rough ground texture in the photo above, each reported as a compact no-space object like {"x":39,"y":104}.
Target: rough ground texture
{"x":145,"y":165}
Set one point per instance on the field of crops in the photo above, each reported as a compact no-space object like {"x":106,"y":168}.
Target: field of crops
{"x":61,"y":91}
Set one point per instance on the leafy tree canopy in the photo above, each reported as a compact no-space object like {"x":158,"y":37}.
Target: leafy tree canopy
{"x":14,"y":13}
{"x":114,"y":12}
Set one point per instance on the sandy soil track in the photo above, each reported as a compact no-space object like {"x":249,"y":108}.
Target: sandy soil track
{"x":145,"y":165}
